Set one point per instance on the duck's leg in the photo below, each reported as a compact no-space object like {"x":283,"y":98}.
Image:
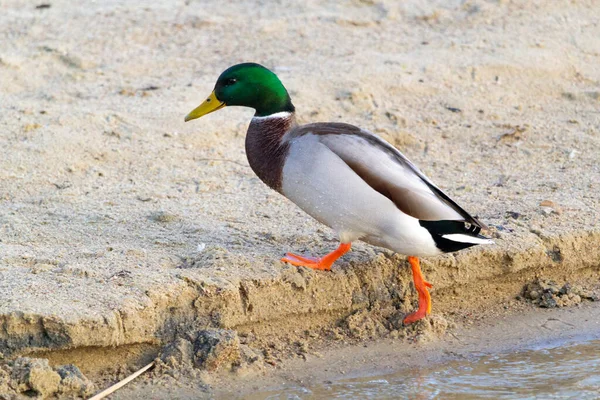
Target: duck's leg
{"x":322,"y":263}
{"x":421,"y":286}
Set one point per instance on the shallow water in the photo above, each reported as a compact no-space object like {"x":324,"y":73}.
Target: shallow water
{"x":564,"y":372}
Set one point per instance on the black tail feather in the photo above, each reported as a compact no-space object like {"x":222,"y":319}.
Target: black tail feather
{"x":437,"y":229}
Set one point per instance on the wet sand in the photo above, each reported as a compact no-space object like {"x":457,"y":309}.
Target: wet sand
{"x":511,"y":332}
{"x":500,"y":331}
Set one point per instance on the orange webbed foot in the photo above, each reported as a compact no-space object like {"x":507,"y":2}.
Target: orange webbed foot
{"x":321,"y":263}
{"x":309,"y":262}
{"x":421,"y":286}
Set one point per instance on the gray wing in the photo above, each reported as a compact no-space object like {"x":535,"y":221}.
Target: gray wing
{"x":388,"y":171}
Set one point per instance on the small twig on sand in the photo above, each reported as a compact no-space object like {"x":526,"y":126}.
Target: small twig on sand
{"x":122,"y":383}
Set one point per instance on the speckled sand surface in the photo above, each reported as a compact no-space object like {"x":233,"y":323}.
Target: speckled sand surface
{"x":119,"y":223}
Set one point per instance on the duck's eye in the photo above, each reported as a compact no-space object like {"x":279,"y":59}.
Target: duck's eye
{"x":230,"y":81}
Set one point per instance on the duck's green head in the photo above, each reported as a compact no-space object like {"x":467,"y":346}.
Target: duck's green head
{"x":249,"y":85}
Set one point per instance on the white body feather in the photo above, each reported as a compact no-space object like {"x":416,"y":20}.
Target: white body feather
{"x":324,"y":186}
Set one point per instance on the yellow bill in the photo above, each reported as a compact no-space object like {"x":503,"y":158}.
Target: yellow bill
{"x":211,"y":104}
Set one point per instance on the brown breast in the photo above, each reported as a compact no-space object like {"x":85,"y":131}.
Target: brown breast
{"x":264,"y":148}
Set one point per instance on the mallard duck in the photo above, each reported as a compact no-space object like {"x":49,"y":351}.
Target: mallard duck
{"x":345,"y":177}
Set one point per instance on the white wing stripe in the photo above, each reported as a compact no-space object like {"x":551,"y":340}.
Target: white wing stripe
{"x":459,"y":237}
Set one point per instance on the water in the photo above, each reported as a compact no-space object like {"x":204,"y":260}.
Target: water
{"x":564,"y":372}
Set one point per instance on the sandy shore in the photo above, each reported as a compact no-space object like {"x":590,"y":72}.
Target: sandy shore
{"x":499,"y":331}
{"x":503,"y":332}
{"x":122,"y":228}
